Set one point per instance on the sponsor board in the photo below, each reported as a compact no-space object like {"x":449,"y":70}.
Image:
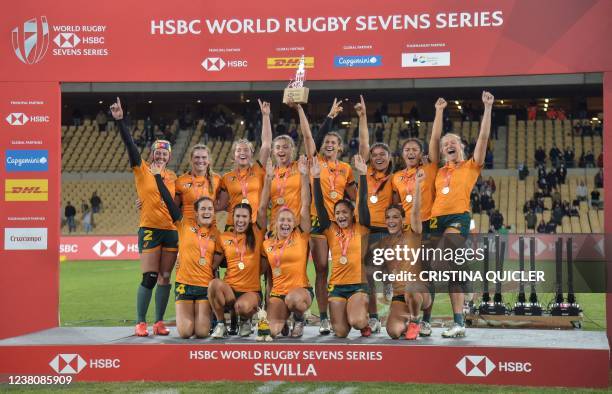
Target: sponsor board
{"x":20,"y":119}
{"x":99,"y":248}
{"x":25,"y":239}
{"x":306,"y":362}
{"x":26,"y":190}
{"x":27,"y":160}
{"x":426,"y":59}
{"x":358,"y":61}
{"x":218,"y":64}
{"x":289,"y":62}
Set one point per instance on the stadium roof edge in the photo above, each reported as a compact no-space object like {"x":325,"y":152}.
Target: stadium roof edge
{"x":410,"y":83}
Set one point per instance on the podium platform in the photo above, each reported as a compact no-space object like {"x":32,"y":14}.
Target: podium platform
{"x":485,"y":356}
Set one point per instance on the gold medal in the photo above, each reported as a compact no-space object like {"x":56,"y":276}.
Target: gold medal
{"x":445,"y":190}
{"x":373,"y":199}
{"x":408,"y":198}
{"x":277,"y":271}
{"x":280,"y":201}
{"x":241,"y":265}
{"x":343,"y":260}
{"x":333,"y":194}
{"x":245,"y":201}
{"x":202,"y":260}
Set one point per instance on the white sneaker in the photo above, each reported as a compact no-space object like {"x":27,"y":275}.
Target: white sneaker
{"x":425,"y":329}
{"x":325,"y":328}
{"x":388,"y":292}
{"x":245,"y":328}
{"x":455,"y":331}
{"x":220,"y":331}
{"x":375,"y":325}
{"x":298,"y":329}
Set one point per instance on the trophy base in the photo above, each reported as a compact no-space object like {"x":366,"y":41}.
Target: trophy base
{"x":298,"y":95}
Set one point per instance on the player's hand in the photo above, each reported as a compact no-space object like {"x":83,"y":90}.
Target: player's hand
{"x":420,"y":176}
{"x":269,"y":170}
{"x":315,"y":168}
{"x":336,"y":108}
{"x":441,"y":104}
{"x":487,"y":98}
{"x":116,"y":110}
{"x":303,"y":165}
{"x":155,"y":169}
{"x":360,"y":107}
{"x":138,"y":204}
{"x":264,"y":106}
{"x":360,"y":165}
{"x":292,"y":104}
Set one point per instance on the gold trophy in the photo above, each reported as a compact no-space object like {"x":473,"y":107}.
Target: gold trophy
{"x":296,"y":90}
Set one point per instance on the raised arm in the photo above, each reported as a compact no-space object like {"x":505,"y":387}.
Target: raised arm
{"x":317,"y":192}
{"x":327,"y":123}
{"x":262,"y":210}
{"x":436,"y":132}
{"x":303,"y":166}
{"x":480,"y":152}
{"x":309,"y":143}
{"x":266,"y":132}
{"x":364,"y":135}
{"x":362,"y":207}
{"x":415,"y":213}
{"x":175,"y":212}
{"x":132,"y":149}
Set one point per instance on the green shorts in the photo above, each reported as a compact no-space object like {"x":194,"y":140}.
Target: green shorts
{"x":282,"y":296}
{"x":184,"y":292}
{"x":430,"y":288}
{"x":344,"y":292}
{"x":458,"y":221}
{"x":315,"y":226}
{"x":149,"y":239}
{"x":229,"y":227}
{"x":238,"y":294}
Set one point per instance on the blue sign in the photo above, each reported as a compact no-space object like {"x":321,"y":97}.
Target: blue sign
{"x":27,"y":160}
{"x":358,"y":61}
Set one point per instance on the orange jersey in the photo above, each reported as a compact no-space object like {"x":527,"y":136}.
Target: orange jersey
{"x":403,"y":184}
{"x":383,"y":196}
{"x":154,"y":213}
{"x":335,"y":177}
{"x":288,"y":261}
{"x":191,"y":188}
{"x":285,"y":190}
{"x":348,"y":243}
{"x":240,"y":183}
{"x":243,"y":264}
{"x":457,"y":181}
{"x":196,"y":251}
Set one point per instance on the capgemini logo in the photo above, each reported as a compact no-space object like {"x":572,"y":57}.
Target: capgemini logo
{"x":31,"y":43}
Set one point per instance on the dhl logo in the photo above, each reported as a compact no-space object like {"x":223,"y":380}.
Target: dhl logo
{"x":26,"y":190}
{"x":290,"y":62}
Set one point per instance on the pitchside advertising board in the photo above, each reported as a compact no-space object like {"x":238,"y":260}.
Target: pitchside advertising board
{"x":202,"y":41}
{"x":296,"y":362}
{"x":29,"y":204}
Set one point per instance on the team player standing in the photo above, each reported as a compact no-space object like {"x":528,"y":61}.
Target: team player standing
{"x":311,"y":204}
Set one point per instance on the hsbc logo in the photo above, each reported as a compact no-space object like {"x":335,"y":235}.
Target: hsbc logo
{"x":218,"y":64}
{"x":108,"y":248}
{"x":31,"y":41}
{"x":475,"y":366}
{"x":66,"y":40}
{"x":481,"y":366}
{"x":68,"y":364}
{"x":20,"y":119}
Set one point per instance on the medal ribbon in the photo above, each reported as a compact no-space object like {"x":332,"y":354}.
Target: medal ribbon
{"x":244,"y":181}
{"x":203,"y":247}
{"x":345,"y":239}
{"x":239,"y":251}
{"x":333,"y":173}
{"x":277,"y":256}
{"x":377,"y":183}
{"x":409,"y":181}
{"x":448,"y":172}
{"x":283,"y":182}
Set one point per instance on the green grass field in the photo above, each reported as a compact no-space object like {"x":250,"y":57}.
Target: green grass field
{"x":103,"y":293}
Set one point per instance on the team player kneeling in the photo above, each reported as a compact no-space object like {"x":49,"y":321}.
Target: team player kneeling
{"x":311,"y":204}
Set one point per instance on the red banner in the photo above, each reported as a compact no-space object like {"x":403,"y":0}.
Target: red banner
{"x":99,"y":247}
{"x":188,"y":40}
{"x":29,"y":205}
{"x":296,"y":362}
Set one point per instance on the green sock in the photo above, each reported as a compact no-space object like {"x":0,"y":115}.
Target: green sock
{"x":299,"y":318}
{"x":458,"y":318}
{"x":374,"y":316}
{"x":143,"y":299}
{"x":323,"y":316}
{"x":426,"y":317}
{"x":162,"y":293}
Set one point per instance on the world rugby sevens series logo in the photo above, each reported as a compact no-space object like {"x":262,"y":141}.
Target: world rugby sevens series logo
{"x":30,"y":43}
